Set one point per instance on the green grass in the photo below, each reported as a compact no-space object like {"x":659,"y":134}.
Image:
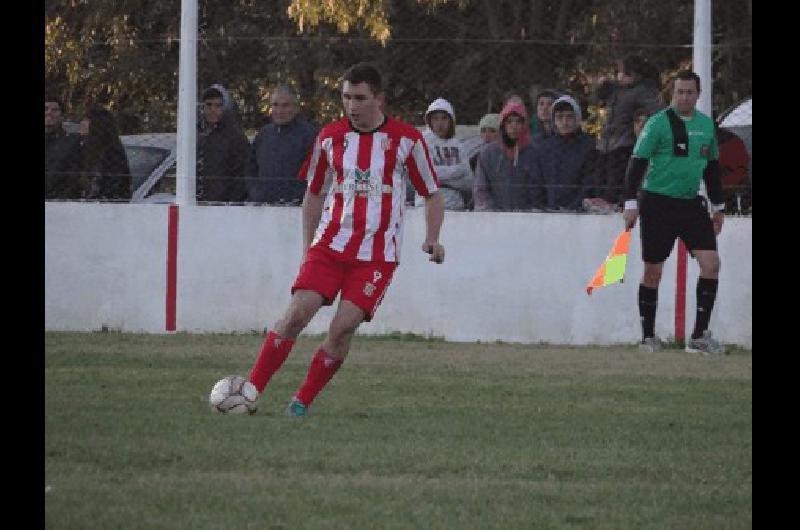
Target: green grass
{"x":411,"y":433}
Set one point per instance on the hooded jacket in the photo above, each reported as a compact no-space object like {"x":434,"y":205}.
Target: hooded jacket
{"x":503,"y":176}
{"x":622,"y":103}
{"x":278,"y":154}
{"x":565,"y":166}
{"x":223,"y":156}
{"x":449,"y":159}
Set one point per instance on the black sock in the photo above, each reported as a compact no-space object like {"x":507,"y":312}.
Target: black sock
{"x":706,"y":294}
{"x":648,"y":300}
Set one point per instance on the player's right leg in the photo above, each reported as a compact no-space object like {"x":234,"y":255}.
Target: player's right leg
{"x":280,"y":340}
{"x":329,"y":357}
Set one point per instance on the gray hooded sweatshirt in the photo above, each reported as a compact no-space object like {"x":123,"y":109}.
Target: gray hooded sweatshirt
{"x":449,"y":158}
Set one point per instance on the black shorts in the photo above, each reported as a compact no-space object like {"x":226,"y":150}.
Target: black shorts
{"x":665,"y":218}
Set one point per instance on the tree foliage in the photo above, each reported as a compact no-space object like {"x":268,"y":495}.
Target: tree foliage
{"x":124,"y":53}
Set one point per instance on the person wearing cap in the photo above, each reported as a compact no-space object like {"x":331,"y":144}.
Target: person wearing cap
{"x":489,"y":127}
{"x":448,"y":155}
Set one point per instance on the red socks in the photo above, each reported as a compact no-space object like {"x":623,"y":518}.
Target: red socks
{"x":321,"y":371}
{"x":272,"y":355}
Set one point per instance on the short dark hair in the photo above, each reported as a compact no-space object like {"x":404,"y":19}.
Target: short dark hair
{"x":562,"y":106}
{"x":212,"y":93}
{"x":687,"y":75}
{"x":364,"y":73}
{"x":547,"y":93}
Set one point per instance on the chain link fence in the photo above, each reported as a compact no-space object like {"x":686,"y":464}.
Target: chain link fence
{"x":268,"y":80}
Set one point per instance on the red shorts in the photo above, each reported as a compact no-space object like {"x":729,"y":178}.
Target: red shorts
{"x":361,"y":282}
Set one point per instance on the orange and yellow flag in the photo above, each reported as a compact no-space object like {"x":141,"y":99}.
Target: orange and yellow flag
{"x":613,"y":268}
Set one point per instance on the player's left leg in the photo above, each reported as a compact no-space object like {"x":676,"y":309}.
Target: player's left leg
{"x":363,"y":290}
{"x":329,"y":357}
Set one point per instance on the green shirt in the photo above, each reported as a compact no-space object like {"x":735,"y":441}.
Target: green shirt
{"x":667,"y":174}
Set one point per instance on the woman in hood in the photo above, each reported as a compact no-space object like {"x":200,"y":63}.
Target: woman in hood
{"x":503,"y":174}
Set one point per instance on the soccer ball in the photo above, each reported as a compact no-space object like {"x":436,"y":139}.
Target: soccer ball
{"x":233,"y":395}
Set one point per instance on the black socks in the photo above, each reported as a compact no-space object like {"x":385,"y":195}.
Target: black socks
{"x":706,"y":295}
{"x":648,"y":300}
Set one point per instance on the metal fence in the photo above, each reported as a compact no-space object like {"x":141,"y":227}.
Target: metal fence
{"x":111,"y":69}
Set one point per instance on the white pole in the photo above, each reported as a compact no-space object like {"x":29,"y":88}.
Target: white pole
{"x":187,"y":105}
{"x":701,"y":54}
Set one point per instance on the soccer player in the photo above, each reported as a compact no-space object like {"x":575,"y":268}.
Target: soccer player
{"x":352,"y":236}
{"x":681,"y":148}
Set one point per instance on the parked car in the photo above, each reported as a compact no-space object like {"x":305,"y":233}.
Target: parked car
{"x":152,"y":159}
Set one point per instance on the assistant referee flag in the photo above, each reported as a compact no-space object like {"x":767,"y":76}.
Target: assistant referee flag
{"x":613,"y":268}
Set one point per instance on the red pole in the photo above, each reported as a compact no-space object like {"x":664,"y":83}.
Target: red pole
{"x":172,"y":267}
{"x":680,"y":294}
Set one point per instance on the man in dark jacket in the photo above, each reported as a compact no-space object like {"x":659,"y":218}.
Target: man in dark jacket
{"x":61,"y":155}
{"x":223,"y":152}
{"x":565,"y":163}
{"x":279,"y":149}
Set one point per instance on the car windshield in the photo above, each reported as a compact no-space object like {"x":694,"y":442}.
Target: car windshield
{"x":142,"y":160}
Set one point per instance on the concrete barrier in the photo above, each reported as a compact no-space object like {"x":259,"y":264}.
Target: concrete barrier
{"x":516,"y":277}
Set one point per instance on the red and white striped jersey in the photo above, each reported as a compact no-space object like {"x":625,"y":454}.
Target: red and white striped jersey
{"x":362,"y":216}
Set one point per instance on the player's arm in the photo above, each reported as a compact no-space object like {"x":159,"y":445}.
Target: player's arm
{"x":312,"y":212}
{"x":313,"y":171}
{"x":424,"y":179}
{"x":434,"y":217}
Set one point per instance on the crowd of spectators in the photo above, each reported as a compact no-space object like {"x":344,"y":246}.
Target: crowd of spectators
{"x":541,"y":160}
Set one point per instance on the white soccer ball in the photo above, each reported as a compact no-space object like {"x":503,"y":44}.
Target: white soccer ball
{"x":233,"y":395}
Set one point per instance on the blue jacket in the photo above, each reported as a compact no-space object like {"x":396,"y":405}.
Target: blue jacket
{"x":565,"y":166}
{"x":563,"y":171}
{"x":279,"y":152}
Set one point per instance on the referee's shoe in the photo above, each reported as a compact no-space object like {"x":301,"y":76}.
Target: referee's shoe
{"x":705,"y":344}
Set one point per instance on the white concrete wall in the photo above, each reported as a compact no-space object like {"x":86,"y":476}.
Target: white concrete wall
{"x":507,"y":276}
{"x":105,"y":264}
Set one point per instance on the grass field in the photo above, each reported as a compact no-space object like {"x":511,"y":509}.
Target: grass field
{"x":411,"y":433}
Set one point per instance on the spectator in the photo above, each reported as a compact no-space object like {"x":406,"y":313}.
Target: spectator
{"x":606,"y":197}
{"x":565,"y":161}
{"x":279,"y":149}
{"x":489,"y":130}
{"x":503,"y":175}
{"x":637,"y":87}
{"x":61,"y":154}
{"x":541,"y":124}
{"x":223,"y":152}
{"x":447,"y":155}
{"x":104,"y":163}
